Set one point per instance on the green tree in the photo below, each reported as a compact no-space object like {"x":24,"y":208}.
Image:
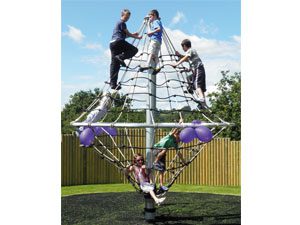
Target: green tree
{"x":226,"y":103}
{"x":80,"y":101}
{"x":76,"y":105}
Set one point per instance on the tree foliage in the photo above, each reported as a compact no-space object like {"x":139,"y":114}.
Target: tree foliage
{"x":79,"y":102}
{"x":226,"y":103}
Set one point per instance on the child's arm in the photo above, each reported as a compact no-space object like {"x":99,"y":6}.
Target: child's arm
{"x":128,"y":170}
{"x":183,"y":59}
{"x":178,"y":54}
{"x":154,"y":31}
{"x":133,"y":35}
{"x":174,"y":130}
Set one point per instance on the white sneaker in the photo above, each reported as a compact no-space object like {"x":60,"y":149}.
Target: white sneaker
{"x":160,"y":200}
{"x":201,"y":104}
{"x":164,"y":188}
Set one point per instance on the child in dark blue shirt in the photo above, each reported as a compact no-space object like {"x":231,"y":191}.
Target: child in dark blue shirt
{"x":121,"y":49}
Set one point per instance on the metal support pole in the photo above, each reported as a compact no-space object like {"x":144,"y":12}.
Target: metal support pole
{"x":150,"y":118}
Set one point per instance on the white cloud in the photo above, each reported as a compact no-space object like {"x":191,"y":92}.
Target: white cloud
{"x":179,"y":17}
{"x":217,"y":56}
{"x":85,"y":77}
{"x":103,"y":58}
{"x":93,"y":46}
{"x":74,"y":33}
{"x":205,"y":28}
{"x":236,"y":38}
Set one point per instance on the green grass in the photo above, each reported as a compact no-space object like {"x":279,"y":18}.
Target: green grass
{"x":107,"y":188}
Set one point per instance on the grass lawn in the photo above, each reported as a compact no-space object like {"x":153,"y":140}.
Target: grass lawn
{"x":109,"y":188}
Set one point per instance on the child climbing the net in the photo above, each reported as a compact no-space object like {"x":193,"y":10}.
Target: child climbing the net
{"x":138,"y":168}
{"x":155,"y":34}
{"x":160,"y":150}
{"x":197,"y":68}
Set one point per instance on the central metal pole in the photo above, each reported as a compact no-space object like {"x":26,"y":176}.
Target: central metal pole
{"x":150,"y":132}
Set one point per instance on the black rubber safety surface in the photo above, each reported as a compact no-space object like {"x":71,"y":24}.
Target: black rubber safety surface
{"x":128,"y":208}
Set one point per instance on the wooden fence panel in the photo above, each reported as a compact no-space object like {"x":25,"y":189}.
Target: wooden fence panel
{"x":218,"y":163}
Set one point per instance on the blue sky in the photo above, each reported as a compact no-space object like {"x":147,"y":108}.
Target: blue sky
{"x":86,"y":26}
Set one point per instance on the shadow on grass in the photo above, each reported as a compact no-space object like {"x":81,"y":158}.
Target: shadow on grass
{"x":127,"y":208}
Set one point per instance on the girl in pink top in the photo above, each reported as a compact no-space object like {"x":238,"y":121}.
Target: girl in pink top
{"x":141,"y":176}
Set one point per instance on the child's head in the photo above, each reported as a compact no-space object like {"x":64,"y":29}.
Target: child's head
{"x":138,"y":159}
{"x":176,"y":134}
{"x":186,"y":44}
{"x":125,"y":14}
{"x":153,"y":15}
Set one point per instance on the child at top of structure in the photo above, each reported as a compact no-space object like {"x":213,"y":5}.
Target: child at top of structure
{"x":197,"y":68}
{"x":155,"y":34}
{"x":138,"y":168}
{"x":120,"y":49}
{"x":169,"y":141}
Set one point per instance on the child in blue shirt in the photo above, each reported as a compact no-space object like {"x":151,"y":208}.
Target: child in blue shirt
{"x":155,"y":34}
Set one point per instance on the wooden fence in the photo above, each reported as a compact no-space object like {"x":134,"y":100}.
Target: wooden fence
{"x":218,"y":164}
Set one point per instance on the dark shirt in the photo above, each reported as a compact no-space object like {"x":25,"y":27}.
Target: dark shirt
{"x":118,"y":32}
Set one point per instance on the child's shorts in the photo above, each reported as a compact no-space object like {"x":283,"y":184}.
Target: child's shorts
{"x":162,"y":160}
{"x":154,"y":47}
{"x":199,"y":77}
{"x":147,"y":187}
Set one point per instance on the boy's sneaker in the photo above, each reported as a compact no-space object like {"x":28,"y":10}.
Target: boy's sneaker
{"x":160,"y":201}
{"x":156,"y":71}
{"x":164,"y":188}
{"x":201,"y":105}
{"x":115,"y":87}
{"x":157,"y":166}
{"x":190,"y":90}
{"x":160,"y":193}
{"x":78,"y":131}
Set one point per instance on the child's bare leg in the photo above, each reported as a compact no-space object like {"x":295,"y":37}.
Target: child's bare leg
{"x":161,"y":178}
{"x":153,"y":196}
{"x":151,"y":61}
{"x":200,"y":93}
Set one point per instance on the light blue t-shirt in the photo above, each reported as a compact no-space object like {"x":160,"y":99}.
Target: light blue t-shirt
{"x":157,"y":35}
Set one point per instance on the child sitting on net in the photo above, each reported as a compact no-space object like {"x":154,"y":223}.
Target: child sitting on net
{"x":160,"y":150}
{"x":139,"y":170}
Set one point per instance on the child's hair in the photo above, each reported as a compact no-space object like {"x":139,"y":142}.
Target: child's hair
{"x":177,"y":131}
{"x":135,"y":157}
{"x":125,"y":11}
{"x":155,"y":12}
{"x":187,"y":43}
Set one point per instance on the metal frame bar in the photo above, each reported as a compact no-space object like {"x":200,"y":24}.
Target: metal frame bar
{"x":154,"y":125}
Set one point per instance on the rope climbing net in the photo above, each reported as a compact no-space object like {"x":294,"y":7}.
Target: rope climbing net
{"x":111,"y":129}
